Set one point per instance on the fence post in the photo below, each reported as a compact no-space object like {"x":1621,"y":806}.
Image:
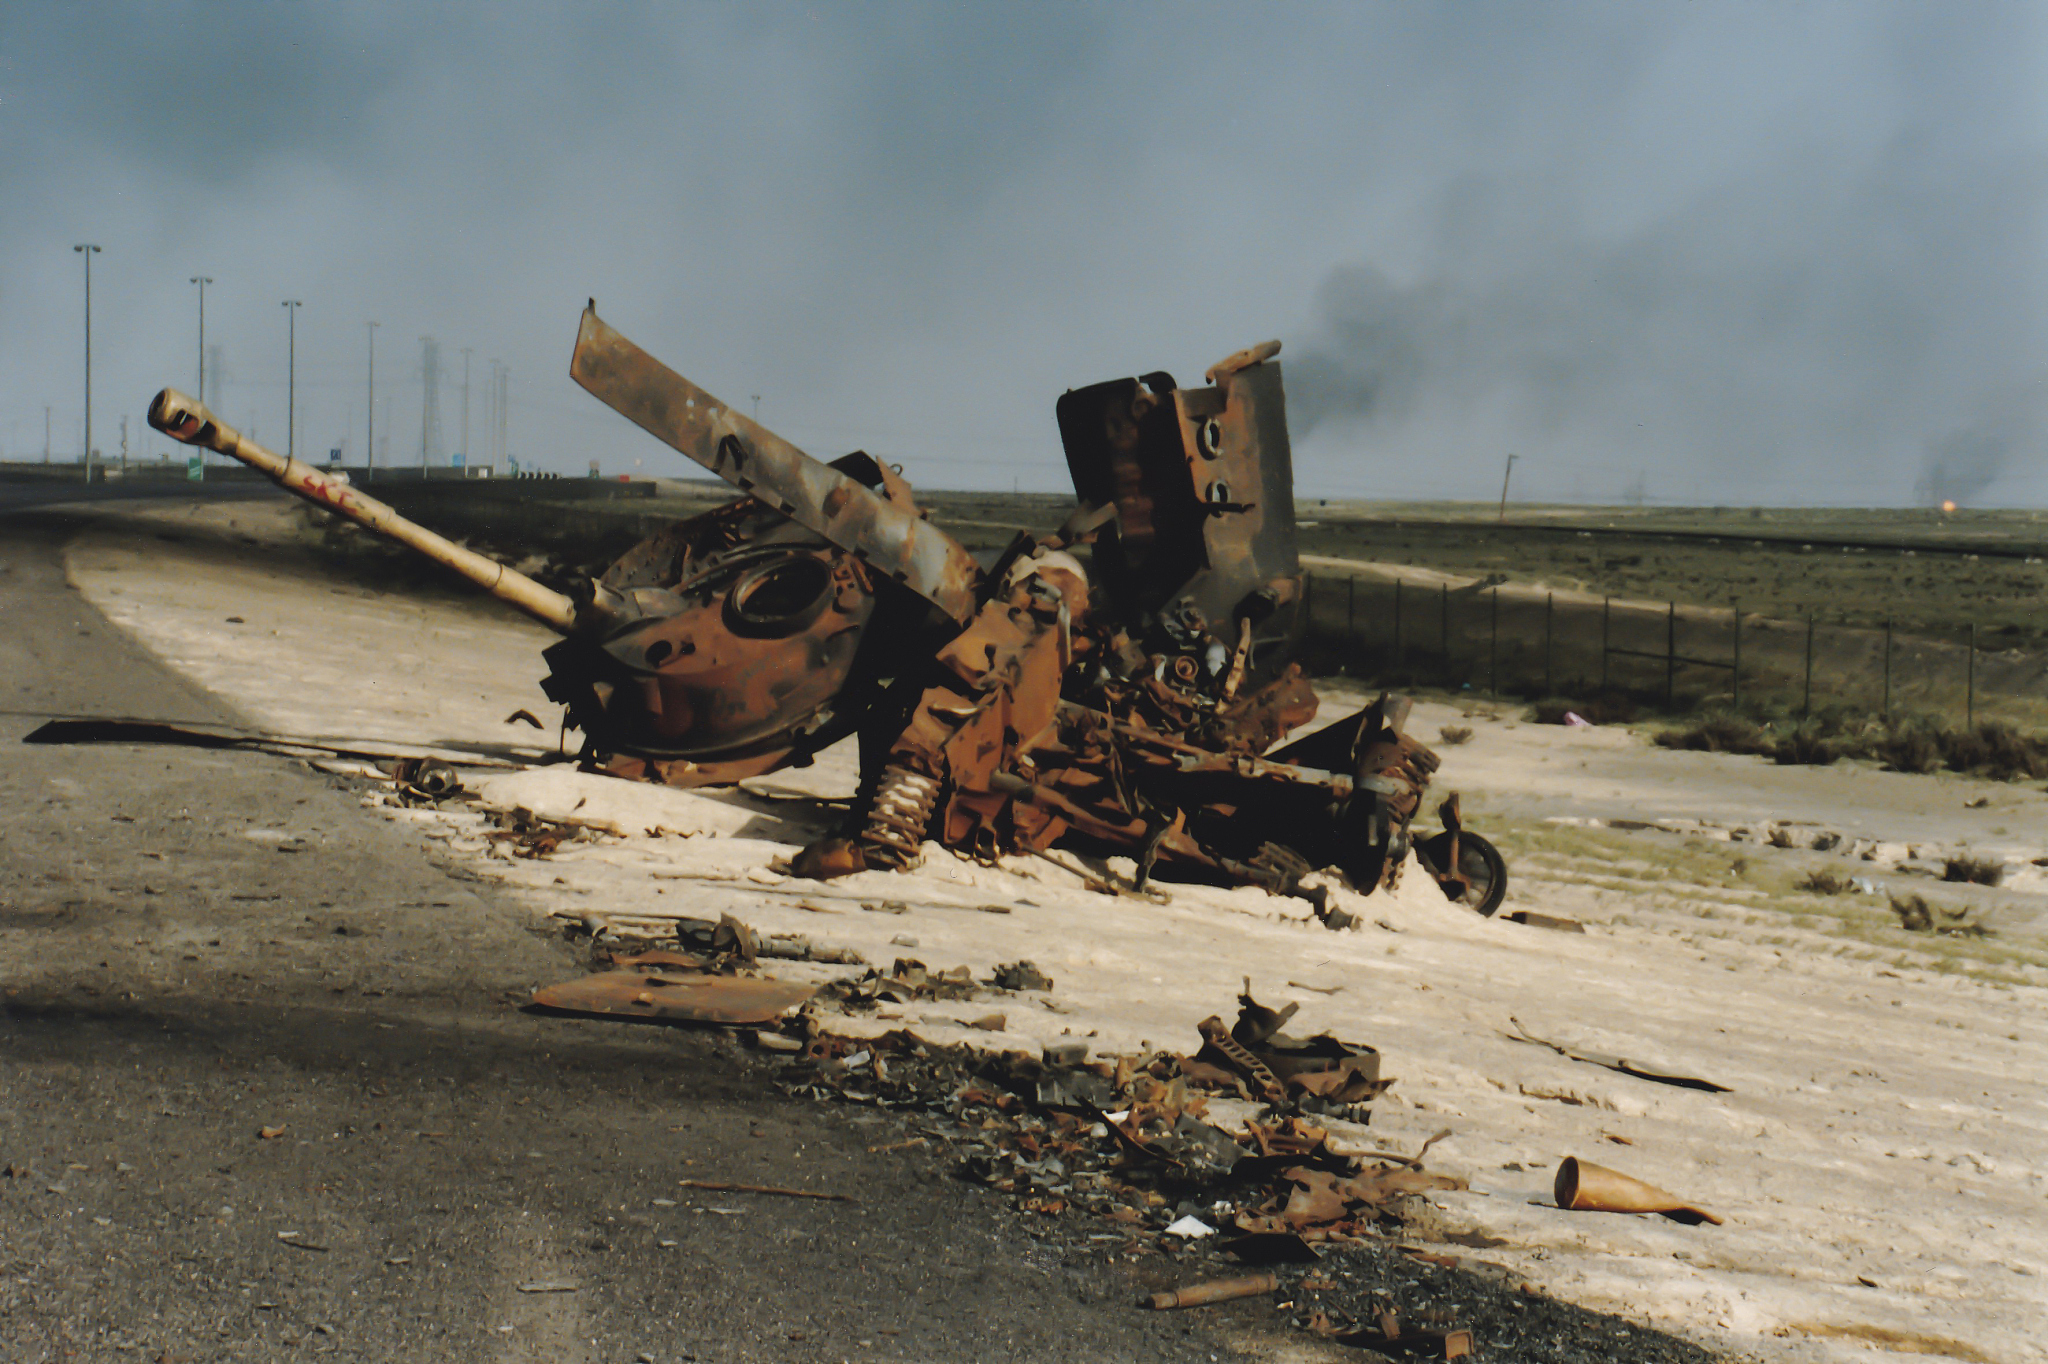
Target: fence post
{"x":1670,"y":654}
{"x":1887,"y":667}
{"x":1493,"y":648}
{"x":1606,"y":609}
{"x":1970,"y":686}
{"x":1738,"y":655}
{"x":1806,"y":696}
{"x":1549,"y":606}
{"x":1397,"y":621}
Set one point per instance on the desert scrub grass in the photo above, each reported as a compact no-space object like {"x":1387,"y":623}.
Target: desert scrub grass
{"x":1453,"y":735}
{"x":1996,"y":749}
{"x":1615,"y":853}
{"x":1991,"y":748}
{"x":1982,"y":871}
{"x":1956,"y":940}
{"x":1824,"y":881}
{"x":1600,"y":708}
{"x":1718,"y":732}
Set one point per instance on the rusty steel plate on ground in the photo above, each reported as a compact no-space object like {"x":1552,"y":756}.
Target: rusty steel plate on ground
{"x":676,"y":996}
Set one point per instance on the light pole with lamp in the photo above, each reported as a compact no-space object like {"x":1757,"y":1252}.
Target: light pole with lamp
{"x":370,"y":422}
{"x":291,"y":374}
{"x":199,"y":460}
{"x":88,"y":251}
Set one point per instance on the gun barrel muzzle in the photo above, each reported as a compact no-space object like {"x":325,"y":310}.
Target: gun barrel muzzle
{"x":184,"y":418}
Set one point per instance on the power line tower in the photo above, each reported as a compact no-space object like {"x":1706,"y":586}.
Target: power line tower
{"x":430,"y":405}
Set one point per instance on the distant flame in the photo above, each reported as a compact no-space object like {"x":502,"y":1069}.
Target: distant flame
{"x":1948,"y":506}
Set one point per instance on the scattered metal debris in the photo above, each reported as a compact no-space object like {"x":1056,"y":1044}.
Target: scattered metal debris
{"x":676,"y":996}
{"x":1021,"y":975}
{"x":1615,"y":1063}
{"x":906,"y":980}
{"x":1214,"y":1290}
{"x":426,"y":781}
{"x":525,"y":834}
{"x":716,"y":1186}
{"x":1389,"y":1334}
{"x":1582,"y":1186}
{"x":1271,"y":1248}
{"x":1134,"y":704}
{"x":1129,"y":1138}
{"x":1529,"y":918}
{"x":114,"y":730}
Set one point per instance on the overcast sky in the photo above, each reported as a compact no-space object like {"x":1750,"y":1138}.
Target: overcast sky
{"x":1695,"y":252}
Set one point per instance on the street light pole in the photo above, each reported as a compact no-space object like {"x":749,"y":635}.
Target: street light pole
{"x":88,"y":250}
{"x":465,"y":404}
{"x":493,"y":407}
{"x":200,"y":393}
{"x":370,"y":421}
{"x":202,"y":281}
{"x":291,"y":374}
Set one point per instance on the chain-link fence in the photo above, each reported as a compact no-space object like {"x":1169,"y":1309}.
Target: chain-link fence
{"x":1504,"y":640}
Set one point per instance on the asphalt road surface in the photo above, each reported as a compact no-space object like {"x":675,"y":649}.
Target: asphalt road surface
{"x":199,"y":947}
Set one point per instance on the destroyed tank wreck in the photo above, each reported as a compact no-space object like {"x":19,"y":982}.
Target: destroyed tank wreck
{"x":1138,"y":703}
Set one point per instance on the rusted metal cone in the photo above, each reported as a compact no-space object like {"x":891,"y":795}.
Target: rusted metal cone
{"x":1214,"y":1290}
{"x":1585,"y":1187}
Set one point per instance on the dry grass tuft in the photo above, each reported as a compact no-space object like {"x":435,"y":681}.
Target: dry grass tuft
{"x":1982,"y":871}
{"x":1991,"y":748}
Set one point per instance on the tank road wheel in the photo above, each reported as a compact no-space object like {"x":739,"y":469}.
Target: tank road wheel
{"x":1485,"y":872}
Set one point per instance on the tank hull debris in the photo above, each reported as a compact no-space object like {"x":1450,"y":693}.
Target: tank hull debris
{"x":1123,"y":684}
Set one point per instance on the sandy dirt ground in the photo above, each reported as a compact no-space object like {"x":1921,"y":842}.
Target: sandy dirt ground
{"x":1878,"y":1155}
{"x":269,"y":1096}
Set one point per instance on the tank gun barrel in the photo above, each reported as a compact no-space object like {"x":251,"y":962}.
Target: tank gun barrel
{"x":899,"y":544}
{"x":186,"y":419}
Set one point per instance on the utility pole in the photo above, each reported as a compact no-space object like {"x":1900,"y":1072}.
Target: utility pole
{"x":465,"y":404}
{"x":124,"y":445}
{"x":500,"y":386}
{"x":46,"y":433}
{"x":370,"y":418}
{"x":1504,"y":488}
{"x":200,"y":393}
{"x":88,"y":250}
{"x":291,"y":375}
{"x":430,"y":399}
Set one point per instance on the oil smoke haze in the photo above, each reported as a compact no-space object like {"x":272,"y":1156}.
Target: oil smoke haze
{"x":1788,"y":253}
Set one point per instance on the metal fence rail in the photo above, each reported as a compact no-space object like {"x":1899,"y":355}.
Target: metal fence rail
{"x":1503,"y":640}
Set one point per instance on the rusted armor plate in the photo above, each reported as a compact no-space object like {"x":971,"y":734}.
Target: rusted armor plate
{"x":676,"y":996}
{"x":896,"y":543}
